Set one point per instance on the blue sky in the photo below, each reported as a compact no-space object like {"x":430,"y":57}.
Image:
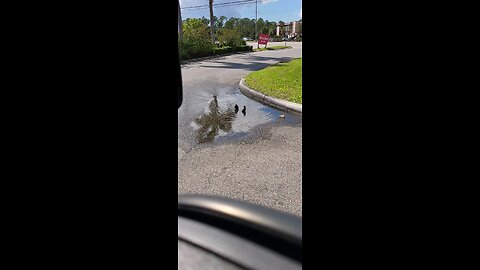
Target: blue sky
{"x":272,"y":10}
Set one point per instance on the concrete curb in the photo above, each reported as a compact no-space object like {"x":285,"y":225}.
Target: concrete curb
{"x":268,"y":100}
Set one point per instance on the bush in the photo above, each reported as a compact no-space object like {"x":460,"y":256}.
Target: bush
{"x":185,"y":53}
{"x":196,"y":39}
{"x":276,"y":38}
{"x":197,"y":42}
{"x":228,"y":49}
{"x":197,"y":48}
{"x":245,"y":49}
{"x":231,"y":38}
{"x":182,"y":50}
{"x":222,"y":50}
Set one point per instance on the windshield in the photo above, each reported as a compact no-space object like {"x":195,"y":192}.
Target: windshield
{"x":240,"y":122}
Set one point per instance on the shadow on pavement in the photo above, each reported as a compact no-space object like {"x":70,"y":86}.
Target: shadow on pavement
{"x":257,"y":63}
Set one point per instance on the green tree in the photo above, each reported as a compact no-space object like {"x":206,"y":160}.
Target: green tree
{"x":282,"y":29}
{"x":230,"y":37}
{"x":246,"y":27}
{"x":220,"y":22}
{"x":205,"y":21}
{"x":271,"y":28}
{"x":196,"y":39}
{"x":212,"y":122}
{"x":231,"y":23}
{"x":194,"y":27}
{"x":261,"y":26}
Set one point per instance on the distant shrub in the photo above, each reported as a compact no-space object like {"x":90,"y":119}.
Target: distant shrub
{"x":230,"y":37}
{"x":276,"y":38}
{"x":228,"y":49}
{"x":245,"y":48}
{"x":185,"y":53}
{"x":222,"y":50}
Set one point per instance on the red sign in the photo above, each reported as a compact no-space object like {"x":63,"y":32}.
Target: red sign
{"x":263,"y":39}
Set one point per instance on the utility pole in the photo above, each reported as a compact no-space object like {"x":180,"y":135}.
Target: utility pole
{"x":211,"y":21}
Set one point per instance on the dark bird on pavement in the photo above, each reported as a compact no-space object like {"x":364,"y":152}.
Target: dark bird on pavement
{"x":244,"y":111}
{"x":236,"y":108}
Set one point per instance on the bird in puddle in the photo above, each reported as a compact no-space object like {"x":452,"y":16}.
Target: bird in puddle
{"x":236,"y":108}
{"x":244,"y":111}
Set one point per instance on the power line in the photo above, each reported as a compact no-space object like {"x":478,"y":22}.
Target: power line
{"x":232,"y":3}
{"x":223,"y":4}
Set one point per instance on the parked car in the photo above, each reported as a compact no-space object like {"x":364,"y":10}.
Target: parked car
{"x":247,"y":39}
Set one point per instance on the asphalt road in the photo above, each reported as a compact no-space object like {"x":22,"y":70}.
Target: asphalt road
{"x":270,"y":44}
{"x":259,"y":158}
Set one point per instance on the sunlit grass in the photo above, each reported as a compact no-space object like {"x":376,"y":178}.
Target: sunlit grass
{"x":272,"y":48}
{"x":283,"y":80}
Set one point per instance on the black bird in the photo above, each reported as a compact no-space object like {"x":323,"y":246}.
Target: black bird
{"x":244,"y":111}
{"x":236,"y":108}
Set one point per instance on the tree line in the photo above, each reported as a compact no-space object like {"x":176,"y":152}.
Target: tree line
{"x":245,"y":26}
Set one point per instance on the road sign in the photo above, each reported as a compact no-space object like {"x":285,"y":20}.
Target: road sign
{"x":263,"y":39}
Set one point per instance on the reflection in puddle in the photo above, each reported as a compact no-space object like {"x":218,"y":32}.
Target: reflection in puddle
{"x":222,"y":119}
{"x":213,"y":121}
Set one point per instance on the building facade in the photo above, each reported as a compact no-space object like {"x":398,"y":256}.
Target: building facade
{"x":289,"y":30}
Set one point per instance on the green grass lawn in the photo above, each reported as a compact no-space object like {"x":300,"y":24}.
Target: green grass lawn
{"x":283,"y":80}
{"x":272,"y":48}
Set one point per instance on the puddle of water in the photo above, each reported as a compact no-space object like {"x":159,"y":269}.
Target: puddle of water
{"x":221,"y":122}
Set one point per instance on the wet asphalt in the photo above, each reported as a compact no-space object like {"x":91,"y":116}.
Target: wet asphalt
{"x":252,"y":154}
